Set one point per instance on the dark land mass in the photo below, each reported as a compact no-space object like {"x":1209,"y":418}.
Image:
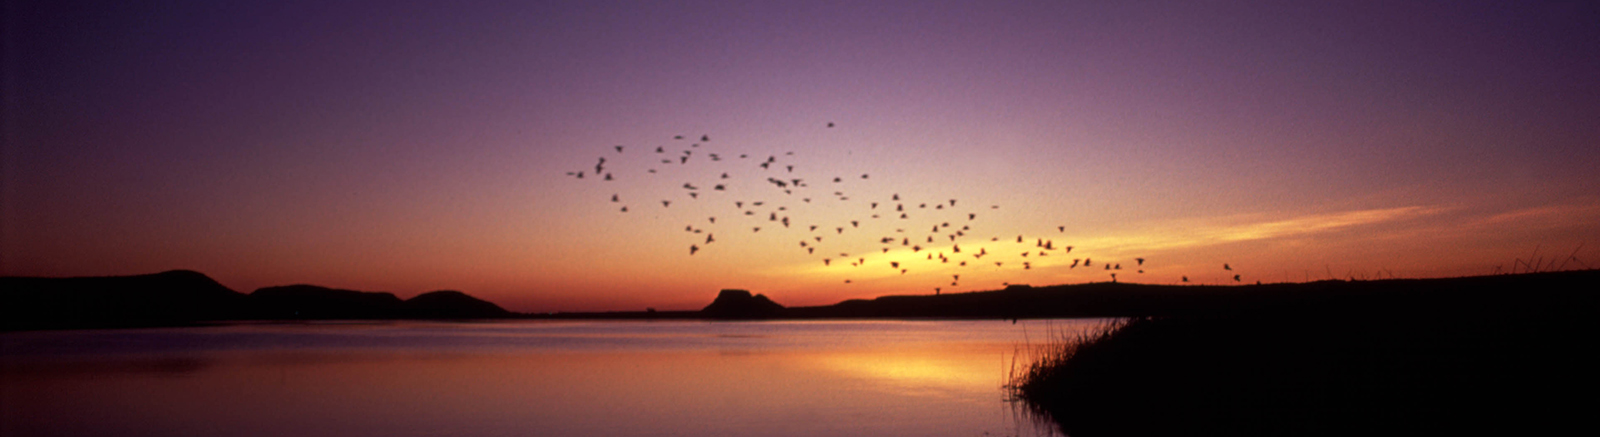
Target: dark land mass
{"x":184,"y":297}
{"x":181,"y":297}
{"x":1495,"y":355}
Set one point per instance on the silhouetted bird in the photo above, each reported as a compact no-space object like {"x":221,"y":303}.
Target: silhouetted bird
{"x":1225,"y":267}
{"x":658,"y":149}
{"x":677,"y":137}
{"x":756,"y":229}
{"x":830,"y":124}
{"x":1061,"y":228}
{"x":666,"y":203}
{"x":624,"y":209}
{"x":1235,"y":278}
{"x":1185,"y":279}
{"x":619,"y":149}
{"x":863,"y":175}
{"x":608,"y":176}
{"x":705,"y":138}
{"x":1140,"y":260}
{"x":613,"y":198}
{"x":693,"y":249}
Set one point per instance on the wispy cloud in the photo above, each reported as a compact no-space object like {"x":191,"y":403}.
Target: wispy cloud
{"x":1216,"y":231}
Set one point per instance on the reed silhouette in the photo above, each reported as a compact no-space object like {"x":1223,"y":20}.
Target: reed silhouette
{"x":1471,"y":356}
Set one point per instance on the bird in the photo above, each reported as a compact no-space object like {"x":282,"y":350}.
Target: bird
{"x":830,"y":124}
{"x":693,"y":249}
{"x":1226,"y":267}
{"x":619,"y":149}
{"x":666,"y":203}
{"x":613,"y":198}
{"x":705,"y":138}
{"x":709,"y":239}
{"x":1140,"y":260}
{"x":1235,"y":278}
{"x":1185,"y":279}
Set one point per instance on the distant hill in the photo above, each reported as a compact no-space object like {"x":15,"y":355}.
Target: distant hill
{"x":166,"y":298}
{"x":1500,"y":293}
{"x":740,"y":304}
{"x":183,"y":297}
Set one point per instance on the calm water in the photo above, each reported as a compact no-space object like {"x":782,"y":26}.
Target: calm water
{"x":934,"y":378}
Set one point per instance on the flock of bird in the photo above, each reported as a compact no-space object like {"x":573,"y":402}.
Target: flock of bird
{"x":807,"y":208}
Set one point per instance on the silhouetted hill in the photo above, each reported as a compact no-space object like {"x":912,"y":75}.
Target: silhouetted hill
{"x":182,"y":297}
{"x":167,"y":298}
{"x":314,"y":302}
{"x":450,"y":304}
{"x":739,"y":304}
{"x":1500,"y":294}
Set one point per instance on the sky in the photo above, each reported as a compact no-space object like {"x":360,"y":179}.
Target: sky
{"x":416,"y":146}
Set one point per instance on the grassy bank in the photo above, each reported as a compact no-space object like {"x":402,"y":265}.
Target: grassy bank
{"x":1464,"y":360}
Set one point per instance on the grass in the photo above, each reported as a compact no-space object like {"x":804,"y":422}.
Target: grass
{"x":1510,"y":362}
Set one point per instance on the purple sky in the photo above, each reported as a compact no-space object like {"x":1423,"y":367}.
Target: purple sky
{"x":411,"y":146}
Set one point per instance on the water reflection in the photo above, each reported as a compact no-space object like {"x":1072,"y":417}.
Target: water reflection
{"x":588,"y":378}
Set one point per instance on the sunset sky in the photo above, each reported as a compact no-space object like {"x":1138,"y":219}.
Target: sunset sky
{"x":415,"y":146}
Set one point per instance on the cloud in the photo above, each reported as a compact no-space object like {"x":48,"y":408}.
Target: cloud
{"x":1196,"y":233}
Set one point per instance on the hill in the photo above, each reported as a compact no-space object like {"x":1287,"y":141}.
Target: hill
{"x":183,"y":297}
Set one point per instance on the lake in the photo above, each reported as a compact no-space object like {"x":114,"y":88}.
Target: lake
{"x":568,"y":378}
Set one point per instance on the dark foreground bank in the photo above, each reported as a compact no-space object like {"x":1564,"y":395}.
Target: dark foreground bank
{"x":1503,"y":355}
